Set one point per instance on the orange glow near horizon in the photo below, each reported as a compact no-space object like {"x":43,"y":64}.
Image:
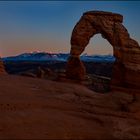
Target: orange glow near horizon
{"x":16,"y":46}
{"x":47,"y":26}
{"x":11,"y":47}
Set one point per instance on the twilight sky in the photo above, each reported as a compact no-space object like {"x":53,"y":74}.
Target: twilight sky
{"x":28,"y":26}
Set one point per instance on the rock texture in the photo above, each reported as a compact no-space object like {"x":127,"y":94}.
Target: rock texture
{"x":41,"y":109}
{"x":126,"y":71}
{"x":75,"y":68}
{"x":2,"y":68}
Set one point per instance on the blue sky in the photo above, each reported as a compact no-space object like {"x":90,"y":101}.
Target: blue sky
{"x":47,"y":26}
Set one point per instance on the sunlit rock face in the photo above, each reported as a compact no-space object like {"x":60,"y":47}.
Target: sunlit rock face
{"x":2,"y":68}
{"x":126,"y":71}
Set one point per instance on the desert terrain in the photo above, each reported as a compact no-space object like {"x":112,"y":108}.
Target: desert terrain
{"x":33,"y":108}
{"x":61,"y":96}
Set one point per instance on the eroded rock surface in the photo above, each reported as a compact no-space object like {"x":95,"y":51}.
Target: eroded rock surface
{"x":75,"y":68}
{"x":126,"y":71}
{"x":2,"y":68}
{"x":43,"y":109}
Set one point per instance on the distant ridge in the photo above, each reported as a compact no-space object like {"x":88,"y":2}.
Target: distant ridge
{"x":44,"y":56}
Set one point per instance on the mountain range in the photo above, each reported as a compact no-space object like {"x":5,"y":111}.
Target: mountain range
{"x":44,"y":56}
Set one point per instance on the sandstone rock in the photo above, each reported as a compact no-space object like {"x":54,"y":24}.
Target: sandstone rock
{"x":75,"y":69}
{"x":46,"y":109}
{"x":126,"y":50}
{"x":2,"y":68}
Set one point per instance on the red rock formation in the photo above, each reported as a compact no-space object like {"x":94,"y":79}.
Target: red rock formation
{"x":126,"y":71}
{"x":2,"y":69}
{"x":75,"y":68}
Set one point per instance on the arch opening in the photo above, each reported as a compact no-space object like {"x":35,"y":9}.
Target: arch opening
{"x":125,"y":49}
{"x":99,"y":66}
{"x":98,"y":46}
{"x":98,"y":57}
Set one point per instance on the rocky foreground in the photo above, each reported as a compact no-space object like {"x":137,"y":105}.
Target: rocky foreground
{"x":32,"y":108}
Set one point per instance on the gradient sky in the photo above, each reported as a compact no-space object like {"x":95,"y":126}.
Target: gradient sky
{"x":28,"y":26}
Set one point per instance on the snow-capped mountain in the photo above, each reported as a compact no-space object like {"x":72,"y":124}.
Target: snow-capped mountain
{"x":43,"y":56}
{"x":38,"y":56}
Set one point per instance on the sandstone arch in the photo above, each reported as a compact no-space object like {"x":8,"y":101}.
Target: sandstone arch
{"x":126,"y":70}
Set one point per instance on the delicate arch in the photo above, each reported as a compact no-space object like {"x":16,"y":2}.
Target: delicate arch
{"x":125,"y":49}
